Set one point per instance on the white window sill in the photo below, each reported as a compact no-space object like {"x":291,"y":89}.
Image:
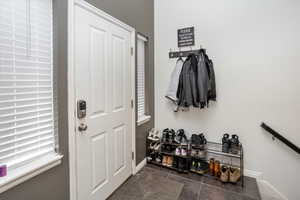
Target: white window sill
{"x":22,"y":174}
{"x":143,"y":119}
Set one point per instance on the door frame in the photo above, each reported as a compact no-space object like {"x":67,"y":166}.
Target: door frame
{"x":71,"y":88}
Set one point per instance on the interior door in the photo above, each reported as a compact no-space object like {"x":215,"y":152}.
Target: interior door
{"x":103,"y":83}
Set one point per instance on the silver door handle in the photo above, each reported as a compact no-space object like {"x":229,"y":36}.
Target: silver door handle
{"x":82,"y":127}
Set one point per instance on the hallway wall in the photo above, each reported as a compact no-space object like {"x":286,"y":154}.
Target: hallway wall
{"x":255,"y":47}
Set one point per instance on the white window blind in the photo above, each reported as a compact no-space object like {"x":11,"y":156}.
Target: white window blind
{"x":141,"y":76}
{"x":26,"y":84}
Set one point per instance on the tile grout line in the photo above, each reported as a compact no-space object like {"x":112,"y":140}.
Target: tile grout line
{"x":229,"y":191}
{"x":200,"y":188}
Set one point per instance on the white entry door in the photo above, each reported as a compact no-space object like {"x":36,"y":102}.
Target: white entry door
{"x":103,"y":80}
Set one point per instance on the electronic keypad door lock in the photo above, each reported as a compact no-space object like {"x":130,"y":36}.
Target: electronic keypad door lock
{"x":81,"y":109}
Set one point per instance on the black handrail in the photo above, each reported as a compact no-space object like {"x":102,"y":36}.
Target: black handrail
{"x":280,"y":137}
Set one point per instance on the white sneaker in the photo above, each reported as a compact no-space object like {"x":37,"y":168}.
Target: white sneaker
{"x":153,"y":135}
{"x":177,"y":151}
{"x":183,"y":152}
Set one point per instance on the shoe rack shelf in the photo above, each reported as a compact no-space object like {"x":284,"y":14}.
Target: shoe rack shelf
{"x":231,"y":157}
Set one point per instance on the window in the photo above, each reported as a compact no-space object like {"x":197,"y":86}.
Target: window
{"x":26,"y":83}
{"x":141,"y":65}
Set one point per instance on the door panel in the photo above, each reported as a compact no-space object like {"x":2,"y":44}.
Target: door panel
{"x":120,"y":150}
{"x":99,"y":160}
{"x":102,"y":79}
{"x":98,"y":81}
{"x":118,"y":50}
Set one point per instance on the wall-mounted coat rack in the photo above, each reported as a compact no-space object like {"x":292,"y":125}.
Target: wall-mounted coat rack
{"x":178,"y":54}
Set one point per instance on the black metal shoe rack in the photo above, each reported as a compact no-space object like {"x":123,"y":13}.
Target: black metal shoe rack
{"x":233,"y":158}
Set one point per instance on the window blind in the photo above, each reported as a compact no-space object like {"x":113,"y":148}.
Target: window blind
{"x":141,"y":76}
{"x":26,"y":84}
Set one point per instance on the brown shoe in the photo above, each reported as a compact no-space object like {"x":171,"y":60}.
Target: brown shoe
{"x":224,"y":177}
{"x":234,"y":175}
{"x":217,"y":168}
{"x":170,"y":161}
{"x":212,"y":166}
{"x":165,"y":160}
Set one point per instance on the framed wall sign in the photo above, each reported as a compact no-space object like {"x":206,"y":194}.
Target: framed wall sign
{"x":186,"y":37}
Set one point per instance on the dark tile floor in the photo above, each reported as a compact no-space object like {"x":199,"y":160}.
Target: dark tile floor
{"x":156,"y":183}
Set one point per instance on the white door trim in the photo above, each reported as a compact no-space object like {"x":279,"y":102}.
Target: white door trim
{"x":71,"y":88}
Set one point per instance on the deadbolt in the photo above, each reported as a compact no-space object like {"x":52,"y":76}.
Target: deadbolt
{"x":82,"y":127}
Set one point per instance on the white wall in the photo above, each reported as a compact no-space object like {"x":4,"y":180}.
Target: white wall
{"x":255,"y":46}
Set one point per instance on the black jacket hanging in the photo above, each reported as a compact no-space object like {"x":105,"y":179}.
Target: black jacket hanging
{"x":187,"y":92}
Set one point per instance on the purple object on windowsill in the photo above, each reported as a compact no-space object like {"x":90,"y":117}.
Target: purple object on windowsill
{"x":3,"y":170}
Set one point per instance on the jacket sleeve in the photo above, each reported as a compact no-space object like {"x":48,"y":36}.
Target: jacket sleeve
{"x":203,"y":81}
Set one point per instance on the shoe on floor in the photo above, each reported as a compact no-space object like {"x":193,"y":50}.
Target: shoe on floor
{"x":234,"y":175}
{"x":224,"y":177}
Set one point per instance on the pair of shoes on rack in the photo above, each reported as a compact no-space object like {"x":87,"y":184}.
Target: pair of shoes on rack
{"x":180,"y":137}
{"x":230,"y":174}
{"x":180,"y":151}
{"x":199,"y":166}
{"x":214,"y":167}
{"x":168,"y":135}
{"x":198,"y":140}
{"x":167,"y":161}
{"x":198,"y":153}
{"x":155,"y":146}
{"x":154,"y":135}
{"x":230,"y":145}
{"x":182,"y":164}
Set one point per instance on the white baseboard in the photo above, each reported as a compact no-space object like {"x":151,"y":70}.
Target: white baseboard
{"x":254,"y":174}
{"x":268,"y":191}
{"x":140,"y":166}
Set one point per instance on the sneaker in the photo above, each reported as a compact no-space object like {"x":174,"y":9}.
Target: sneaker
{"x":179,"y":135}
{"x":175,"y":162}
{"x":225,"y":143}
{"x":157,"y":146}
{"x":194,"y":152}
{"x":202,"y":154}
{"x":171,"y":136}
{"x":153,"y":156}
{"x":182,"y":165}
{"x":153,"y":135}
{"x":224,"y":177}
{"x":194,"y":139}
{"x":152,"y":145}
{"x":234,"y":175}
{"x":149,"y":159}
{"x":183,"y":152}
{"x":183,"y":140}
{"x":178,"y":151}
{"x":158,"y":158}
{"x":235,"y":144}
{"x":193,"y":167}
{"x":203,"y":167}
{"x":165,"y":135}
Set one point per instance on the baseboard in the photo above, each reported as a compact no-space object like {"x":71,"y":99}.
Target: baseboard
{"x":254,"y":174}
{"x":140,"y":166}
{"x":268,"y":190}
